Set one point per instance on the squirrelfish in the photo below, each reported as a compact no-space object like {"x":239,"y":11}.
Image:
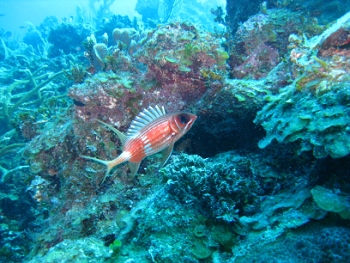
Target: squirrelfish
{"x":152,"y":131}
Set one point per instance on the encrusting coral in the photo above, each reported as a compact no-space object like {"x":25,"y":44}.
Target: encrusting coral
{"x":261,"y":41}
{"x":313,"y":109}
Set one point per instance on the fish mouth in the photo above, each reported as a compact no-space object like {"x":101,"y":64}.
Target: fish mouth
{"x":190,"y":122}
{"x":194,"y":118}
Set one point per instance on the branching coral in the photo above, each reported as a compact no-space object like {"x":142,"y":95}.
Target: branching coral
{"x":5,"y":49}
{"x":7,"y":147}
{"x":7,"y":173}
{"x":13,"y":101}
{"x":100,"y":10}
{"x":168,"y":8}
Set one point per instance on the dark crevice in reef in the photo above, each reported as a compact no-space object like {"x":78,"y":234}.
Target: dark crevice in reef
{"x":214,"y":133}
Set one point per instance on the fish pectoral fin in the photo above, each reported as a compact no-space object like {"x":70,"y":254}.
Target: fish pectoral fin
{"x":166,"y":154}
{"x":134,"y":167}
{"x":122,"y":137}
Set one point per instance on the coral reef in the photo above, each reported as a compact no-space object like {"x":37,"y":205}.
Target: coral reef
{"x":32,"y":92}
{"x":179,"y":62}
{"x":179,"y":58}
{"x":319,"y":243}
{"x":313,"y":109}
{"x":116,"y":21}
{"x":114,"y":99}
{"x":262,"y":40}
{"x":14,"y":219}
{"x":19,"y":116}
{"x":67,"y":38}
{"x":100,"y":11}
{"x":238,"y":11}
{"x":9,"y":106}
{"x":223,"y":195}
{"x":232,"y":192}
{"x":314,"y":127}
{"x":78,"y":251}
{"x":202,"y":184}
{"x":226,"y":117}
{"x":324,"y":11}
{"x":34,"y":39}
{"x":332,"y":201}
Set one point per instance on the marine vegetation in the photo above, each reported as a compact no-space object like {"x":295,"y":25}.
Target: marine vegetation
{"x":313,"y":109}
{"x":254,"y":147}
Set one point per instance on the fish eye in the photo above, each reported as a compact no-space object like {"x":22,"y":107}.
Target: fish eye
{"x":183,"y":118}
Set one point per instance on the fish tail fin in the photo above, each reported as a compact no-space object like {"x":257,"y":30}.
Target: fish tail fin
{"x":110,"y":164}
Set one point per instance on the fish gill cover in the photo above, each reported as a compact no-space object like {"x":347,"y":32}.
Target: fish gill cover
{"x":262,"y":176}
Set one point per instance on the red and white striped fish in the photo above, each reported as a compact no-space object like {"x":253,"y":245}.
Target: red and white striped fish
{"x":152,"y":131}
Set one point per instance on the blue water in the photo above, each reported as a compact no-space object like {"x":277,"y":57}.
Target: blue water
{"x":174,"y":131}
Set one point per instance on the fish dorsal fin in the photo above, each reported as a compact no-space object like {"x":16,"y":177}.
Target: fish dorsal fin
{"x":146,"y":116}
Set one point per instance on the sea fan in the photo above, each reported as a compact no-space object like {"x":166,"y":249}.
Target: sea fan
{"x":101,"y":51}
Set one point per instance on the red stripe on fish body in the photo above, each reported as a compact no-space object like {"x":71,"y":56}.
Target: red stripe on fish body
{"x":154,"y":137}
{"x":150,"y":132}
{"x":135,"y":148}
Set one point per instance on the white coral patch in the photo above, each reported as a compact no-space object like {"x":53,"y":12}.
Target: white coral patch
{"x":111,"y":103}
{"x":81,"y":115}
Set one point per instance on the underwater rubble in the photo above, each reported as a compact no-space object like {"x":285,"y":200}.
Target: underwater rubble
{"x":261,"y":177}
